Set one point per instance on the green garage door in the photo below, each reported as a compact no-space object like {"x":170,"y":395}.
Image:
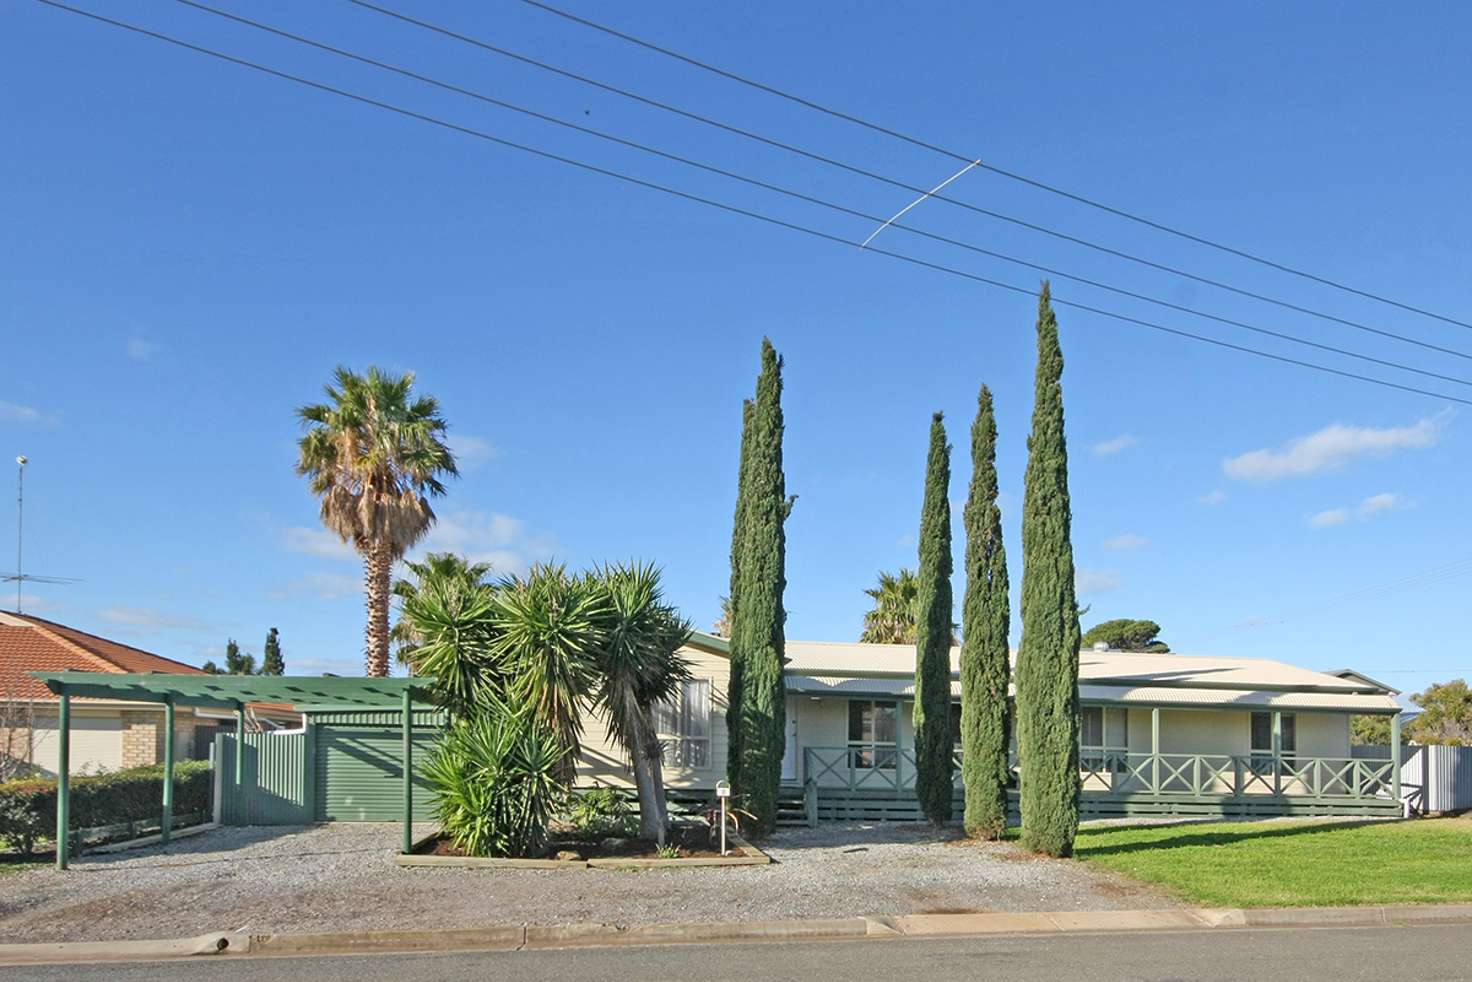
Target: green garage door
{"x":358,"y":774}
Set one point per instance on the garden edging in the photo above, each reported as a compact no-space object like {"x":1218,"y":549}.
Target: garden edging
{"x":741,"y":853}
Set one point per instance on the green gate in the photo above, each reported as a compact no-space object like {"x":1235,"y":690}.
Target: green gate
{"x":343,"y":766}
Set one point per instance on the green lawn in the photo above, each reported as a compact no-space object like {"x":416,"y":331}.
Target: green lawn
{"x":1291,"y":863}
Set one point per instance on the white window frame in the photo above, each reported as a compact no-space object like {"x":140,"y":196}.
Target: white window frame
{"x":678,"y":745}
{"x":1116,"y":737}
{"x":873,"y":754}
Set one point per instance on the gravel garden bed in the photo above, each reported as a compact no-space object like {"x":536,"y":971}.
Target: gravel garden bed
{"x":343,"y":877}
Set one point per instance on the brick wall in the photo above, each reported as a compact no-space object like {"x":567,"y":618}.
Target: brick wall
{"x":143,"y":737}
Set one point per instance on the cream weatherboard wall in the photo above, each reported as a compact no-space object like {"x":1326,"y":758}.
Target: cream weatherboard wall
{"x":603,"y":761}
{"x":1229,"y":732}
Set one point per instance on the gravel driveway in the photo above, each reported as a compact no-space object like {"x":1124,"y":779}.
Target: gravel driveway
{"x":341,"y":877}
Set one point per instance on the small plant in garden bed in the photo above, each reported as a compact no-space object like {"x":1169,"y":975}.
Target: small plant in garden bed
{"x":602,"y":813}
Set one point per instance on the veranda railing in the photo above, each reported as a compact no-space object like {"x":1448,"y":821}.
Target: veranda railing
{"x":1203,"y":776}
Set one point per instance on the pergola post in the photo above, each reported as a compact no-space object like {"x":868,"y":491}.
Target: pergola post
{"x":166,"y":825}
{"x":239,"y":746}
{"x":1395,"y":785}
{"x":406,"y":720}
{"x":63,"y":781}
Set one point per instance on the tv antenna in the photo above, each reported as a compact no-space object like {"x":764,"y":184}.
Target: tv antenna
{"x":19,"y":577}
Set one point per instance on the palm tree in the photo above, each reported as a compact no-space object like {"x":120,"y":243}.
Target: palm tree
{"x":439,"y":571}
{"x":639,"y":666}
{"x":896,"y":598}
{"x":546,"y":627}
{"x":374,"y":454}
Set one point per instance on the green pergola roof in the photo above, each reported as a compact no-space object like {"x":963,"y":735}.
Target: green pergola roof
{"x":233,"y":691}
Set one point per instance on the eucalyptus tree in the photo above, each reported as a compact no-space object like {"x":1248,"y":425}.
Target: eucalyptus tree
{"x":374,"y":454}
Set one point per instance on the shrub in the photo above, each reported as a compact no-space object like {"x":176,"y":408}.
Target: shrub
{"x":497,"y":780}
{"x":28,"y":806}
{"x":601,"y":813}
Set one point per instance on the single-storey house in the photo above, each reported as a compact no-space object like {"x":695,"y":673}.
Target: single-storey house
{"x":1158,"y":733}
{"x":107,"y":734}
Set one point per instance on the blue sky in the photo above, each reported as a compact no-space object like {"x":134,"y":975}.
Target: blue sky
{"x":188,"y":248}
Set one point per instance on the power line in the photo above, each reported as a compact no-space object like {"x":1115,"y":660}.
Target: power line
{"x":893,"y":182}
{"x":733,"y":209}
{"x":709,"y":168}
{"x":1003,"y":172}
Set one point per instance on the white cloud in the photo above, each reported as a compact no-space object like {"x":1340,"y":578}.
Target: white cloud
{"x":1332,"y":447}
{"x":323,"y":586}
{"x":146,"y":620}
{"x":486,"y":537}
{"x":1126,"y":540}
{"x":1377,"y":503}
{"x":316,"y":542}
{"x":14,"y":412}
{"x":139,"y":349}
{"x":1374,"y":505}
{"x":471,"y":451}
{"x":1087,"y":581}
{"x":1213,"y":498}
{"x":1105,"y":448}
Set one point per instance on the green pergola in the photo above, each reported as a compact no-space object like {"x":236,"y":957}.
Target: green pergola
{"x":223,"y":692}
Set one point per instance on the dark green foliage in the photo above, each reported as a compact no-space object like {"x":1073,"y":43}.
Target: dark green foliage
{"x":601,"y":813}
{"x":28,"y":806}
{"x":1124,"y":634}
{"x":985,"y":613}
{"x":1047,"y":658}
{"x":236,"y":663}
{"x":738,"y":662}
{"x":498,"y":779}
{"x":1374,"y":731}
{"x":271,"y":661}
{"x":758,"y":636}
{"x":933,"y":750}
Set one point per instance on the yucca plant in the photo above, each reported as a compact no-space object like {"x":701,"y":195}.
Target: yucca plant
{"x":497,"y":778}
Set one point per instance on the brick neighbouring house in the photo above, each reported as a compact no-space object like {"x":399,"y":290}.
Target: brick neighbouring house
{"x":106,"y":734}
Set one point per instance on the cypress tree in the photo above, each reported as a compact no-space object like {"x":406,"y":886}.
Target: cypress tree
{"x":758,"y":640}
{"x":738,"y":545}
{"x":1047,"y":658}
{"x":933,"y":773}
{"x":271,"y":661}
{"x":985,"y":716}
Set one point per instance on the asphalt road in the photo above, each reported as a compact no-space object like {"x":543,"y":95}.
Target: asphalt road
{"x":1300,"y":955}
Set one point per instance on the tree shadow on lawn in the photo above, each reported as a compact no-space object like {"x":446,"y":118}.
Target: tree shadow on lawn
{"x":1203,"y":837}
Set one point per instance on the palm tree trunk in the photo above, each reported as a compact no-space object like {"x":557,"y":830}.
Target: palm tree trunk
{"x":377,"y":567}
{"x":647,"y":760}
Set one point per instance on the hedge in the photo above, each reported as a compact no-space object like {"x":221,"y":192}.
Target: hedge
{"x":28,"y":805}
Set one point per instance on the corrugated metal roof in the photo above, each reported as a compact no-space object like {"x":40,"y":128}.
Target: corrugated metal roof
{"x":904,"y":688}
{"x":854,"y":660}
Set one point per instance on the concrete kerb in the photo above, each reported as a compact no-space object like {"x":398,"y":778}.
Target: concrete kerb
{"x":545,"y":936}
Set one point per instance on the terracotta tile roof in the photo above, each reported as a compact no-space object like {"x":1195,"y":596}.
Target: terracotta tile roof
{"x":34,"y":644}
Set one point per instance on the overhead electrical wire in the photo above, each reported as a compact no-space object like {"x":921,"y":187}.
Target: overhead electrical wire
{"x":1001,"y":171}
{"x":732,"y":209}
{"x":709,"y":168}
{"x":893,"y":182}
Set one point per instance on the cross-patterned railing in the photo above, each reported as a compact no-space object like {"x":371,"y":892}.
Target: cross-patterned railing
{"x":1109,"y":772}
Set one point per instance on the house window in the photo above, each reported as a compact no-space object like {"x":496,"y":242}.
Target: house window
{"x":1103,"y":737}
{"x":1262,"y":734}
{"x":873,"y":733}
{"x":683,"y":723}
